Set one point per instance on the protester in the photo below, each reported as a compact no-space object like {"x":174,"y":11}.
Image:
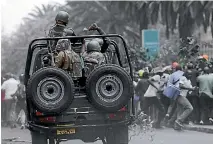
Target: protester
{"x":163,"y":83}
{"x":10,"y":86}
{"x":142,"y":86}
{"x":174,"y":80}
{"x":193,"y":96}
{"x":205,"y":83}
{"x":21,"y":102}
{"x":151,"y":97}
{"x":3,"y":108}
{"x":182,"y":101}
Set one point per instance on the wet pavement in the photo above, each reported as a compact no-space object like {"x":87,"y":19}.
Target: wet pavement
{"x":162,"y":136}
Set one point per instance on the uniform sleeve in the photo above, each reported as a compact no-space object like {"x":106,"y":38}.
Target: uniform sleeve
{"x":106,"y":40}
{"x":59,"y":59}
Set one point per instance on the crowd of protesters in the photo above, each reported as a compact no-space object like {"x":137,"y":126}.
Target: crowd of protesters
{"x":179,"y":94}
{"x":13,"y":101}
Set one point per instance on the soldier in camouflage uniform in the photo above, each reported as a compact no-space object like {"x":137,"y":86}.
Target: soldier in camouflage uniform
{"x":59,"y":29}
{"x":67,"y":59}
{"x":93,"y":53}
{"x":93,"y":57}
{"x":107,"y":49}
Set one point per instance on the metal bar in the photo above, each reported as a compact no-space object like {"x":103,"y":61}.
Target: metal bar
{"x":76,"y":126}
{"x":29,"y":54}
{"x":77,"y":37}
{"x":29,"y":59}
{"x":117,"y":52}
{"x":28,"y":63}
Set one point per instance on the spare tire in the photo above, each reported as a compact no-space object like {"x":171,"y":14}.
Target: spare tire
{"x":51,"y":90}
{"x":109,"y":87}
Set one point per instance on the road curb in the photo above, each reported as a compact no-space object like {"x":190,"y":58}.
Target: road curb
{"x":199,"y":129}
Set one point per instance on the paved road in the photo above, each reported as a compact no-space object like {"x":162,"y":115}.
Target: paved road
{"x":164,"y":136}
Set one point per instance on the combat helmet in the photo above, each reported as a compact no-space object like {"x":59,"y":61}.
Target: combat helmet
{"x":62,"y":16}
{"x":100,"y":41}
{"x":93,"y":46}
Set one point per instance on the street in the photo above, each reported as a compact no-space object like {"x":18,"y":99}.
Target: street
{"x":163,"y":136}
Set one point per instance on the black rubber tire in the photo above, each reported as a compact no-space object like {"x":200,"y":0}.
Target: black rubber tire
{"x":117,"y":135}
{"x":58,"y":79}
{"x":121,"y":80}
{"x":38,"y":138}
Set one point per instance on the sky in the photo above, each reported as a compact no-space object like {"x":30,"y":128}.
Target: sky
{"x":12,"y":12}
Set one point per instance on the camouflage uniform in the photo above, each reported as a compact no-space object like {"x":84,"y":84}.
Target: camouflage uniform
{"x":93,"y":57}
{"x":93,"y":52}
{"x":106,"y":48}
{"x":67,"y":59}
{"x":59,"y":31}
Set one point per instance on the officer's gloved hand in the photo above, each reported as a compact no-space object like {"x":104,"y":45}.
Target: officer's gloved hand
{"x":94,"y":26}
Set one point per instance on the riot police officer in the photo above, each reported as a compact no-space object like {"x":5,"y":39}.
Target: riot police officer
{"x":67,"y":59}
{"x":93,"y":53}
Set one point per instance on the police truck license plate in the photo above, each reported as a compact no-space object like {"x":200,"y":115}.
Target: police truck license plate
{"x":65,"y":131}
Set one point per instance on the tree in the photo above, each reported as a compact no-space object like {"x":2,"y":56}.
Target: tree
{"x":188,"y":14}
{"x":83,"y":14}
{"x":31,"y":28}
{"x":126,"y":18}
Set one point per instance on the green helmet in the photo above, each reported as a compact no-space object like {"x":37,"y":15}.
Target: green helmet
{"x":93,"y":46}
{"x":62,"y":16}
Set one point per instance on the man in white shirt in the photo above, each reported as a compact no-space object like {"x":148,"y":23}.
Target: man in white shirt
{"x":150,"y":98}
{"x":10,"y":86}
{"x":184,"y":107}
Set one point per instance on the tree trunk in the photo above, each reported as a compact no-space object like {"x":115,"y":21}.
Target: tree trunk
{"x":167,"y":20}
{"x":212,"y":24}
{"x":143,"y":20}
{"x":185,"y":25}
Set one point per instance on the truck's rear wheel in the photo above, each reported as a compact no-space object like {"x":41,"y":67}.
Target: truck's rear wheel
{"x":51,"y":90}
{"x":117,"y":135}
{"x":109,"y":87}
